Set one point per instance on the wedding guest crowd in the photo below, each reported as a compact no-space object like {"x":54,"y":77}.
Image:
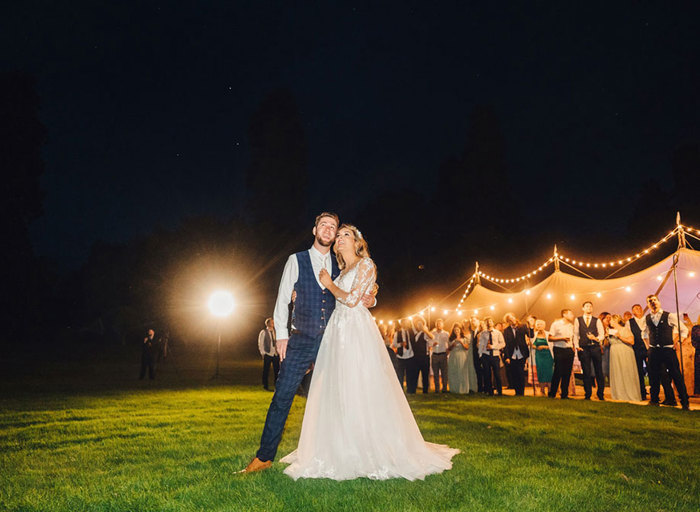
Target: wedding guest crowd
{"x":627,"y":349}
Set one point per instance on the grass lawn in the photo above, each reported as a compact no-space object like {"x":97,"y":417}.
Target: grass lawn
{"x":105,"y":442}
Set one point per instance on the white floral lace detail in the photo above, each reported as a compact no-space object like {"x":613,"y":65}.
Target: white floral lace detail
{"x":356,"y":281}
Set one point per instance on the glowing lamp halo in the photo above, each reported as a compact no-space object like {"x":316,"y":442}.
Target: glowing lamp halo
{"x":221,"y":303}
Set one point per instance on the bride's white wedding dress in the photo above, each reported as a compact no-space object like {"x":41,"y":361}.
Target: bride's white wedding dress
{"x":357,"y":421}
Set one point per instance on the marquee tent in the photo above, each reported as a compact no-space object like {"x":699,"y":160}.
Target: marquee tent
{"x":545,"y":299}
{"x":563,"y":290}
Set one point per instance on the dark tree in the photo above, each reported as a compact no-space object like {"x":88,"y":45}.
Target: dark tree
{"x":653,"y":213}
{"x":475,"y":206}
{"x":277,"y":177}
{"x":685,"y":164}
{"x":21,"y":138}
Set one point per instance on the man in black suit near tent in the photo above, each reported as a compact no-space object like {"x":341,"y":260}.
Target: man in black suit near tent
{"x":664,"y":329}
{"x":516,"y":352}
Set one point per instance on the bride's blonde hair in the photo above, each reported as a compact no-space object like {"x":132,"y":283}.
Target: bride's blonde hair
{"x":361,"y":248}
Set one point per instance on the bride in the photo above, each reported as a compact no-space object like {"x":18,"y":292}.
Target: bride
{"x":357,"y":421}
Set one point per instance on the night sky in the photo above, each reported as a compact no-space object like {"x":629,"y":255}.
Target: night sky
{"x":147,"y":104}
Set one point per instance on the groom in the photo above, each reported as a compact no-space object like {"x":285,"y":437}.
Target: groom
{"x":312,"y":310}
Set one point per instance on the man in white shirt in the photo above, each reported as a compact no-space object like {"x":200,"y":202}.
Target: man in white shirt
{"x":561,"y":336}
{"x":491,"y":343}
{"x":266,"y":346}
{"x":664,"y":330}
{"x":440,"y":343}
{"x":404,"y":338}
{"x":589,"y":334}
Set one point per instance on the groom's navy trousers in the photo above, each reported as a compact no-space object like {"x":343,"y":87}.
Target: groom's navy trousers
{"x":301,"y":352}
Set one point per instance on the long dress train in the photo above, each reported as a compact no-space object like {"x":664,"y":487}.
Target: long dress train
{"x":357,"y":422}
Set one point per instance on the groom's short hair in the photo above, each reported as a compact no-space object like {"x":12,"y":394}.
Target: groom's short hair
{"x":327,"y":214}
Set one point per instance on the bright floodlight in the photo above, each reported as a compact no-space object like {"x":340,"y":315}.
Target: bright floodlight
{"x":221,"y":303}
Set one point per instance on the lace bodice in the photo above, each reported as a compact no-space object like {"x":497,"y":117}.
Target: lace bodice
{"x":357,"y":281}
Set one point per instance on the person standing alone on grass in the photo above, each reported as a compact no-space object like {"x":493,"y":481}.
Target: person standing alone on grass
{"x":266,"y":346}
{"x":148,"y":355}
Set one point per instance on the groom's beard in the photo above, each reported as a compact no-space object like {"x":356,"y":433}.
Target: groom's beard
{"x":323,"y":243}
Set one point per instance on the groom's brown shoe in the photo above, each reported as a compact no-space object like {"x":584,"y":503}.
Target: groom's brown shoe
{"x":257,"y":465}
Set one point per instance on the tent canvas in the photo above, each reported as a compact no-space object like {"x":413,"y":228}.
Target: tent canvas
{"x":562,"y":290}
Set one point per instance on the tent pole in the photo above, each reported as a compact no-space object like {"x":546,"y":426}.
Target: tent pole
{"x":527,"y":315}
{"x":681,"y":244}
{"x":678,"y":312}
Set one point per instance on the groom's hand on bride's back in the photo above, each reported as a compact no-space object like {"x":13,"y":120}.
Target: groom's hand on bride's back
{"x":281,"y":347}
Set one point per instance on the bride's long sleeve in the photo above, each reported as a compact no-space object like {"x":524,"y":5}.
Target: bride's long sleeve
{"x":364,"y":279}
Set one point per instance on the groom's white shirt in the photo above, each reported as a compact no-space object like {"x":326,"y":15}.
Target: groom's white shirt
{"x":289,"y":277}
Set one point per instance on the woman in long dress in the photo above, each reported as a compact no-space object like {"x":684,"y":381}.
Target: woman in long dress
{"x":471,"y":334}
{"x":457,"y":361}
{"x":624,"y":380}
{"x":357,"y":421}
{"x":544,"y":362}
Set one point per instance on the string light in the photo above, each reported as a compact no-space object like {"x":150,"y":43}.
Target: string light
{"x":628,"y":259}
{"x":473,"y":280}
{"x":512,"y":280}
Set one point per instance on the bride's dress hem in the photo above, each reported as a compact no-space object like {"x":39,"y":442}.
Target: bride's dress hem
{"x":317,"y":470}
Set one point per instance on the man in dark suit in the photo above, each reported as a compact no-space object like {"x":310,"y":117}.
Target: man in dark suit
{"x":516,"y":352}
{"x":421,"y":356}
{"x":589,"y":334}
{"x":664,"y":329}
{"x":404,"y":338}
{"x":148,"y":355}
